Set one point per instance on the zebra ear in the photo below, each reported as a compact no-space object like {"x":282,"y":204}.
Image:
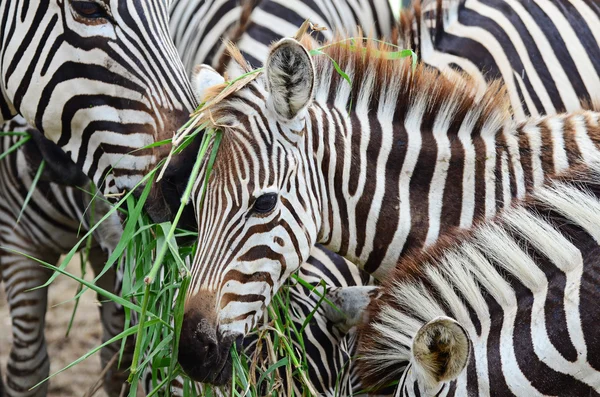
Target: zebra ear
{"x":349,"y":305}
{"x":290,"y":78}
{"x":441,"y":350}
{"x":204,"y":77}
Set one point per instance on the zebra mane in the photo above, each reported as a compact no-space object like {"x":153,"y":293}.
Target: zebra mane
{"x":377,"y":78}
{"x":458,"y":274}
{"x":424,"y":21}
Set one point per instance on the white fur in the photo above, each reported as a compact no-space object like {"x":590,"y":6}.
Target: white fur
{"x":204,"y":77}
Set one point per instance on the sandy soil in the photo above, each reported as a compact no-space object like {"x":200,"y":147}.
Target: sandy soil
{"x":85,"y":335}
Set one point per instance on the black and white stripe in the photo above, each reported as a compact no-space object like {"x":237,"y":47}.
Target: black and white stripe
{"x":507,"y":309}
{"x":415,"y":157}
{"x":50,"y":226}
{"x":329,"y":339}
{"x":546,"y":52}
{"x":200,"y":26}
{"x":100,"y":78}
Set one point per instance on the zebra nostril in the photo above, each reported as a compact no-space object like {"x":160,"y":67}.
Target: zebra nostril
{"x":203,"y":353}
{"x":198,"y":347}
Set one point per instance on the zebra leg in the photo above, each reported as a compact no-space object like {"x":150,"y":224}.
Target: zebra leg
{"x":28,"y":363}
{"x":113,"y":322}
{"x":1,"y":381}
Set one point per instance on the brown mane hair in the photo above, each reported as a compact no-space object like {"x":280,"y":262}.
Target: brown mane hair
{"x":371,"y":62}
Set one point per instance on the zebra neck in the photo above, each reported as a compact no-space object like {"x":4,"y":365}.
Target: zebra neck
{"x":387,"y":187}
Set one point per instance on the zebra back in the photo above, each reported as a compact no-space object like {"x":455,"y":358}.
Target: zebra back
{"x":547,"y":52}
{"x":254,"y":24}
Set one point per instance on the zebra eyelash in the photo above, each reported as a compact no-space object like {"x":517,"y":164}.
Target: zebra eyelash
{"x":102,"y":12}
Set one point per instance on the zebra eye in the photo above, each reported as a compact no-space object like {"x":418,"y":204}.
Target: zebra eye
{"x":265,"y":203}
{"x":89,"y":9}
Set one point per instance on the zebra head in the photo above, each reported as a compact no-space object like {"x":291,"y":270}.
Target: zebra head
{"x":259,"y":218}
{"x":100,"y":78}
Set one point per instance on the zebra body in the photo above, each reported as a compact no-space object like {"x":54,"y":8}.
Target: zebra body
{"x":49,"y":226}
{"x":413,"y":158}
{"x":546,"y":52}
{"x":86,"y":73}
{"x":509,"y":308}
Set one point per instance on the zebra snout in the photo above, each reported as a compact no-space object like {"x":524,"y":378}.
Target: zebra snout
{"x":204,"y":353}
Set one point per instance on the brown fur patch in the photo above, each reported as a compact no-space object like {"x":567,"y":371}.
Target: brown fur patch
{"x":203,"y":303}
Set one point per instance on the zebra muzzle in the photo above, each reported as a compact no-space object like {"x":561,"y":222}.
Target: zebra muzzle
{"x":204,"y":353}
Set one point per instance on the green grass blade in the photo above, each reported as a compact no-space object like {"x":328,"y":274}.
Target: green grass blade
{"x":109,"y":295}
{"x":69,"y":256}
{"x":16,"y":146}
{"x":34,"y":183}
{"x":120,"y":336}
{"x":284,"y":361}
{"x":178,"y":315}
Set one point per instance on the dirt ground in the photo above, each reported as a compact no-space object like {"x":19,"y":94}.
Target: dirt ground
{"x":85,"y":335}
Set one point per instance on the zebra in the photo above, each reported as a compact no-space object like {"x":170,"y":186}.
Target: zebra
{"x":198,"y":26}
{"x":253,"y":25}
{"x":282,"y":179}
{"x":102,"y":80}
{"x":44,"y":145}
{"x":546,"y":52}
{"x":47,"y":227}
{"x":508,"y":308}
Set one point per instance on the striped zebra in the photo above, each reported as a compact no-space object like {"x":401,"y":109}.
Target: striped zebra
{"x":199,"y":26}
{"x":546,"y":52}
{"x":49,"y":226}
{"x":88,"y":73}
{"x":509,"y":308}
{"x":254,"y":25}
{"x":370,"y":170}
{"x":46,"y":147}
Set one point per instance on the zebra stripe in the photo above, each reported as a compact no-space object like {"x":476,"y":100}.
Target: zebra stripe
{"x":85,"y":73}
{"x":322,"y":384}
{"x":509,"y":308}
{"x":291,"y":172}
{"x":546,"y":52}
{"x":49,"y":227}
{"x":199,"y":26}
{"x":196,"y":34}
